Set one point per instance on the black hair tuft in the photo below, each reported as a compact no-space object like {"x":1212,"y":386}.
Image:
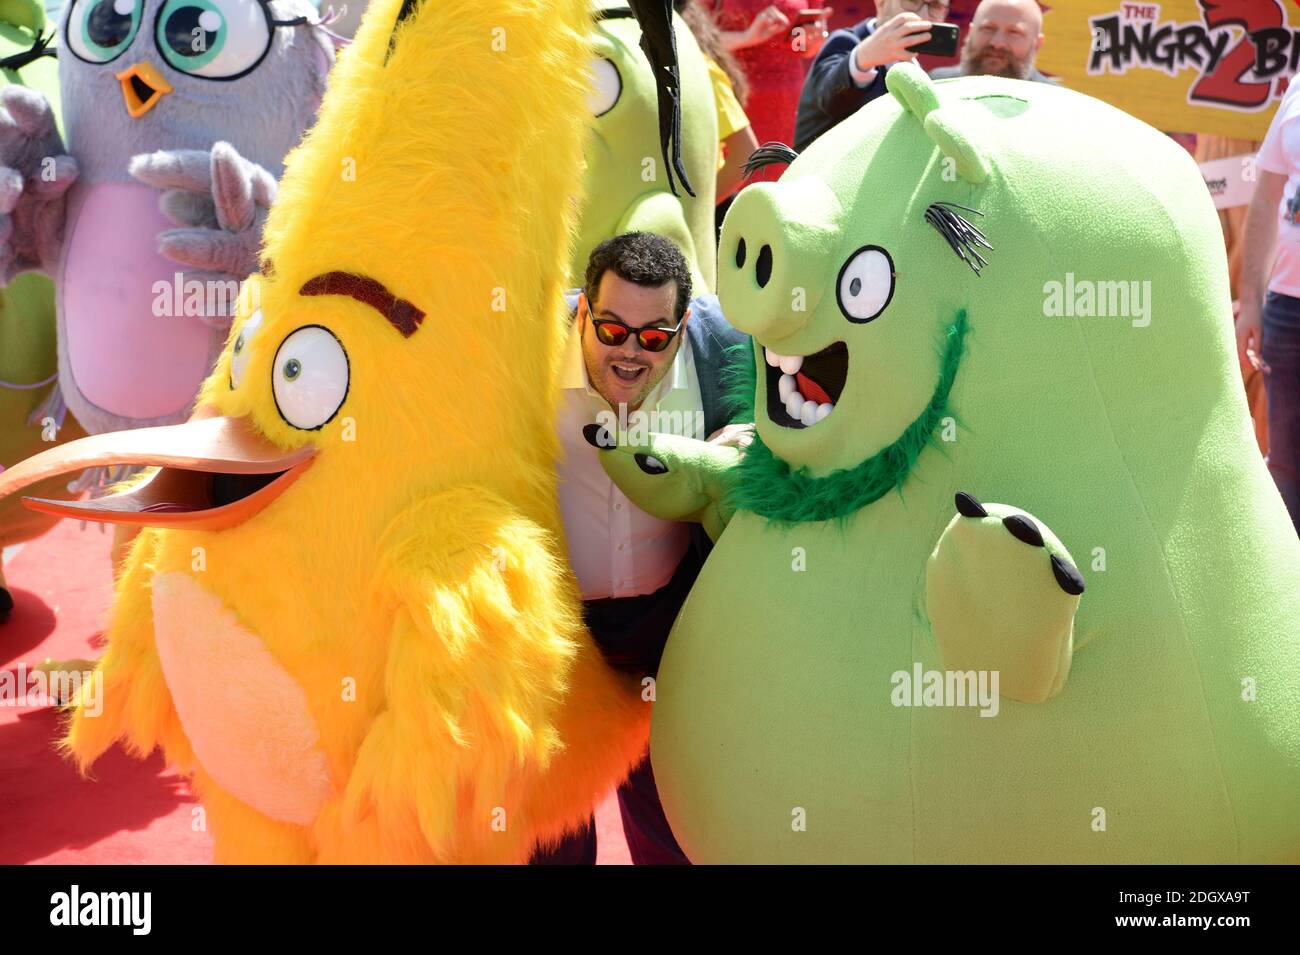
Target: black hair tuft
{"x":769,"y":154}
{"x":964,"y":238}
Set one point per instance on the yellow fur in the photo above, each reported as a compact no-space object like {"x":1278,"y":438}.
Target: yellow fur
{"x":418,"y":560}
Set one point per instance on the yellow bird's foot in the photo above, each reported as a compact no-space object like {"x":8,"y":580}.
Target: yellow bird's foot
{"x":62,"y":690}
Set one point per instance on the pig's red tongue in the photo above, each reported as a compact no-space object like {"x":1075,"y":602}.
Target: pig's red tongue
{"x":811,"y":390}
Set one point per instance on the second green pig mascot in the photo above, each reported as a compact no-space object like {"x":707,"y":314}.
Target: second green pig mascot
{"x":626,"y":186}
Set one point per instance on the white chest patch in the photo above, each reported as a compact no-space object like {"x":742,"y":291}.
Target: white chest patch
{"x":245,"y":716}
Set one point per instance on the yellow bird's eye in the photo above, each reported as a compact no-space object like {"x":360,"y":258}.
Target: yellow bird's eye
{"x":240,"y":353}
{"x":310,"y":377}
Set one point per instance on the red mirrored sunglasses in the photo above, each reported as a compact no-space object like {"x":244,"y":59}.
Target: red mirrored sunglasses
{"x":611,"y":332}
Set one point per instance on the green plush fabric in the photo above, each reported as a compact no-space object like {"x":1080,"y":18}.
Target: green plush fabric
{"x":675,"y":478}
{"x":772,"y":488}
{"x":27,"y":324}
{"x":1154,"y":718}
{"x":626,"y":187}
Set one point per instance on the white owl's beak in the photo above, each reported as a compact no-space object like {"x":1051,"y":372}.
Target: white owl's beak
{"x":143,"y":87}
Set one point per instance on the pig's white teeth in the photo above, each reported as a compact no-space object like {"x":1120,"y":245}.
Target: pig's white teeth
{"x":789,"y":364}
{"x":794,"y":405}
{"x":801,"y":409}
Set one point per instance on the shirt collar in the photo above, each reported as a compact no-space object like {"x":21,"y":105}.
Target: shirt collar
{"x":573,"y":371}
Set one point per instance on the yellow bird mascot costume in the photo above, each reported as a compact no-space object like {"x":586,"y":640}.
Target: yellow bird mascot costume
{"x":349,"y":617}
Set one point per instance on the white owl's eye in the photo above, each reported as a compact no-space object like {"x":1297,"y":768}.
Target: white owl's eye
{"x":215,"y":39}
{"x":243,"y":348}
{"x":606,"y":87}
{"x":866,"y":284}
{"x":100,"y":30}
{"x":310,"y":377}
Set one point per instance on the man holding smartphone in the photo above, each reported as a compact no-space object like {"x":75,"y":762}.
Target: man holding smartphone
{"x":849,"y":72}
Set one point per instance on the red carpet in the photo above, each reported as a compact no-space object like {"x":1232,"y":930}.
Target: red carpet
{"x":130,"y":811}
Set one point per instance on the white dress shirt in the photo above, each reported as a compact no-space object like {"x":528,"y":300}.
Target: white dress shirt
{"x":862,"y":78}
{"x":616,"y":549}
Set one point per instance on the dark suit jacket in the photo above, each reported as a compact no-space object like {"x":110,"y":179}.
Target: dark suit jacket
{"x":829,"y":94}
{"x":716,"y":359}
{"x":953,"y":72}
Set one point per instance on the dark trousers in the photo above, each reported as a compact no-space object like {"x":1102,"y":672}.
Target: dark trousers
{"x":1280,"y":350}
{"x":631,"y":633}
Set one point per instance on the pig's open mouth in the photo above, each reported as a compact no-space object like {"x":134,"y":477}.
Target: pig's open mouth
{"x":802,"y":390}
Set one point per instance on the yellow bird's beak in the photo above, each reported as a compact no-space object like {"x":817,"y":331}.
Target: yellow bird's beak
{"x":143,"y":87}
{"x":214,"y":473}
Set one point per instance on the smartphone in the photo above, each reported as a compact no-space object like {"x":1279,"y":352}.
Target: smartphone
{"x":805,"y":17}
{"x":942,"y":42}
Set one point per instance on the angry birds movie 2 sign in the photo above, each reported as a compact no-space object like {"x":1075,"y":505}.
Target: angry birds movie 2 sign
{"x":1198,"y":66}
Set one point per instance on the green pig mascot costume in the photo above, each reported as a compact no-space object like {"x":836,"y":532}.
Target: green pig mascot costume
{"x":973,"y":291}
{"x":627,"y":185}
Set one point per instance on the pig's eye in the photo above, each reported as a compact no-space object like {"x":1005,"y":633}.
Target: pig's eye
{"x":606,"y":87}
{"x":866,"y":284}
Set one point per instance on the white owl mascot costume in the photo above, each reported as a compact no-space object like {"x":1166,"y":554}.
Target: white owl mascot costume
{"x":178,"y":116}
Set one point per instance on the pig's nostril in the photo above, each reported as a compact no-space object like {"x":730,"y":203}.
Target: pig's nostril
{"x":740,"y":255}
{"x":763,"y":267}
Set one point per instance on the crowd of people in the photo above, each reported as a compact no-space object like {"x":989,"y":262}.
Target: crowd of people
{"x":789,"y":79}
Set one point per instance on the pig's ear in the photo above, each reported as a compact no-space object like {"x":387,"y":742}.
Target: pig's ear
{"x":913,"y":89}
{"x":948,"y":126}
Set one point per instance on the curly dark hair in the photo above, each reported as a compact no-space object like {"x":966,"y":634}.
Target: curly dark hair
{"x":644,"y":259}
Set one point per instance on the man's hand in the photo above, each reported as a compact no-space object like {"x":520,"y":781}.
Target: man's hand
{"x":733,"y":436}
{"x":889,"y":44}
{"x":1258,"y":246}
{"x":1250,"y":331}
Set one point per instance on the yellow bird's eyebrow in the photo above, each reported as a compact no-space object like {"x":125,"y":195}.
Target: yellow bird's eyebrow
{"x":401,"y":314}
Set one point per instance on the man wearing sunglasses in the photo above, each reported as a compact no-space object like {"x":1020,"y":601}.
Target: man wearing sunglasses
{"x":642,"y":352}
{"x":849,"y":72}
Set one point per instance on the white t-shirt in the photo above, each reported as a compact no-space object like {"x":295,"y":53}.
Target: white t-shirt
{"x":1281,"y":154}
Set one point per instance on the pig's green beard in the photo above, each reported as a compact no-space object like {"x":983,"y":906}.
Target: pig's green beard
{"x":770,"y":488}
